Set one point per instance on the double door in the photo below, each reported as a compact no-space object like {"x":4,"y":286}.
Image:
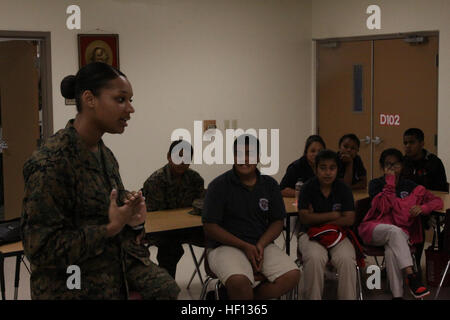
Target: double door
{"x":377,"y":89}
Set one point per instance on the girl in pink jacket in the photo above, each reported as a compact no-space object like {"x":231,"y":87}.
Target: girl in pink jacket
{"x":393,"y":222}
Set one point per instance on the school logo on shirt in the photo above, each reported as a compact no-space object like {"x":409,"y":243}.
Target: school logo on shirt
{"x":264,"y":204}
{"x":337,"y":207}
{"x":404,"y":194}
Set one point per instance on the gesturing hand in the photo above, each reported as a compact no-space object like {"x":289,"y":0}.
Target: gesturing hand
{"x":136,"y":201}
{"x":132,"y":212}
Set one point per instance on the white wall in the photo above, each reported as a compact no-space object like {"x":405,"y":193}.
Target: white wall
{"x":188,"y":60}
{"x":347,"y":18}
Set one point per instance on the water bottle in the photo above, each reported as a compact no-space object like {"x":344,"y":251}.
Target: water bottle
{"x":298,"y":186}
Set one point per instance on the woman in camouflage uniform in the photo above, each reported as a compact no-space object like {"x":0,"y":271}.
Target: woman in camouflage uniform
{"x":75,"y":209}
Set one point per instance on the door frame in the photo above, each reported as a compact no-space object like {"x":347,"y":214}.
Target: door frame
{"x":401,"y":35}
{"x":45,"y":71}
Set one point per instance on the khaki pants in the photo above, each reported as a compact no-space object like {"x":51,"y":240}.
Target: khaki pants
{"x":226,"y":261}
{"x":396,"y":252}
{"x":315,"y":258}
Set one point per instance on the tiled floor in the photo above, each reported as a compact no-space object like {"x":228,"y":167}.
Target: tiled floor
{"x":184,"y":272}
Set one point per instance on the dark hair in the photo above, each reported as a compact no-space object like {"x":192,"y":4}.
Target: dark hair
{"x":246,"y":139}
{"x":93,"y":77}
{"x":326,"y":155}
{"x":177,"y":142}
{"x":390,"y":152}
{"x":311,"y":140}
{"x":416,"y":133}
{"x":350,"y":136}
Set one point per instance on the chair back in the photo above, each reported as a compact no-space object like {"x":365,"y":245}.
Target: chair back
{"x":362,"y":206}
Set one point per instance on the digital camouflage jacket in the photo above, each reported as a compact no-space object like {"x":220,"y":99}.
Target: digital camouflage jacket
{"x":161,"y":192}
{"x":64,"y":217}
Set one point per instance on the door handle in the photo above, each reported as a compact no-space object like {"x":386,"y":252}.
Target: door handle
{"x":366,"y":140}
{"x":3,"y":145}
{"x":377,"y":140}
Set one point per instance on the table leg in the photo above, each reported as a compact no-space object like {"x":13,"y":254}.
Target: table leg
{"x":2,"y":276}
{"x":17,"y":278}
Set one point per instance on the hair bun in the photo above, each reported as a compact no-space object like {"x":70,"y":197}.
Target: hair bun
{"x":68,"y":87}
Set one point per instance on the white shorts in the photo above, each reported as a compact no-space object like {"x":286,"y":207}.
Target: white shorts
{"x":226,"y":261}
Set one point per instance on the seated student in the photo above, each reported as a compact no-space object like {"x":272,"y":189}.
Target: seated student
{"x":421,"y":166}
{"x":393,"y":221}
{"x":325,"y":200}
{"x":351,"y":167}
{"x":174,"y":186}
{"x":302,"y":169}
{"x":243,"y":214}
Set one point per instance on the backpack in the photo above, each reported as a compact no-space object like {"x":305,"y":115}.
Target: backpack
{"x":10,"y":231}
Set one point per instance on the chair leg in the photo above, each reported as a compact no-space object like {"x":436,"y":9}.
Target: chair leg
{"x":442,"y":280}
{"x":197,"y":265}
{"x":216,"y":291}
{"x":358,"y":274}
{"x":196,"y":270}
{"x":205,"y":288}
{"x":28,"y":269}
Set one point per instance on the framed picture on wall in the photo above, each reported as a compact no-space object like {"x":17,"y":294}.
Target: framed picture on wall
{"x":98,"y":47}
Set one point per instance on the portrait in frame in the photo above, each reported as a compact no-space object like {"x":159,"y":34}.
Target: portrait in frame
{"x":98,"y":47}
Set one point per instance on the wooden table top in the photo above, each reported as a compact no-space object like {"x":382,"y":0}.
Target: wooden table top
{"x":11,"y":247}
{"x":166,"y":220}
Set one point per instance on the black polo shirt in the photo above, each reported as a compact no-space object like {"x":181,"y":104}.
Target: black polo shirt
{"x":428,"y":171}
{"x":340,"y":198}
{"x":297,"y":170}
{"x":358,"y":170}
{"x":244,"y":212}
{"x":403,"y":188}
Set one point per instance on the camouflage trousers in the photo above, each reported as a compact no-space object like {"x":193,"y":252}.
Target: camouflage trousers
{"x":170,"y":249}
{"x":150,"y":281}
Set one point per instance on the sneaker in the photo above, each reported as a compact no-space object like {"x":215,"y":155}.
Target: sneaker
{"x":223,"y":293}
{"x":418,"y":290}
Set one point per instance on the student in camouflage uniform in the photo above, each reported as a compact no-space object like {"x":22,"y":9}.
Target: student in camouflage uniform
{"x":75,"y":209}
{"x":174,"y":186}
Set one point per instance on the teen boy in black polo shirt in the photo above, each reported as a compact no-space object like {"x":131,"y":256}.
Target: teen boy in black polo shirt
{"x":326,"y":200}
{"x":421,"y":166}
{"x":243,"y":214}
